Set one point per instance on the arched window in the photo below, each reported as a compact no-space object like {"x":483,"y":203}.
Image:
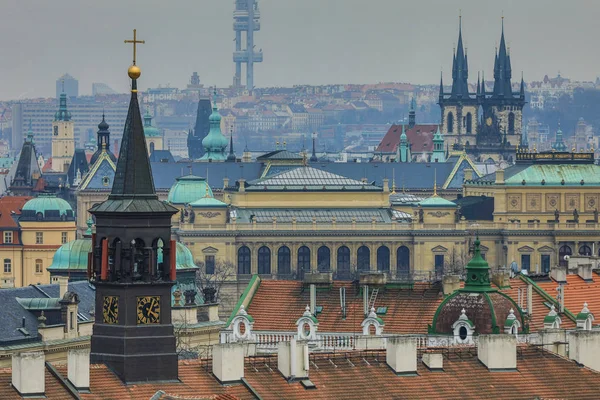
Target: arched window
{"x":383,"y":259}
{"x":585,"y":250}
{"x":343,"y":261}
{"x":469,"y":123}
{"x":39,"y":266}
{"x":264,"y":260}
{"x":403,"y":262}
{"x":363,"y":258}
{"x":450,"y":122}
{"x":511,"y":123}
{"x":151,"y":147}
{"x":304,"y":259}
{"x":324,"y":259}
{"x":244,"y":261}
{"x":564,"y":250}
{"x":283,"y":261}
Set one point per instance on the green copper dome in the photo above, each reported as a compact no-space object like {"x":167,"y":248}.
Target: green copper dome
{"x":215,"y":142}
{"x":149,"y":130}
{"x":188,"y":189}
{"x":44,"y":203}
{"x":72,"y":255}
{"x":184,"y":258}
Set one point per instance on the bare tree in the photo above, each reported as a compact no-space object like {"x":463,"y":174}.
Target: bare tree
{"x":211,"y":284}
{"x":455,"y":261}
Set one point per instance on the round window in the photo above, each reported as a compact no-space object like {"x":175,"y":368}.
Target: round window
{"x":474,"y":277}
{"x":462,"y":333}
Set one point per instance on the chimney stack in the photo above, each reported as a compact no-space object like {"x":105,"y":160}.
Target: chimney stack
{"x":28,"y":373}
{"x":401,"y":355}
{"x":78,"y":368}
{"x":292,"y":359}
{"x":386,"y":185}
{"x":242,"y":187}
{"x":468,"y":174}
{"x":434,"y":361}
{"x":313,"y":298}
{"x":498,"y":352}
{"x":63,"y":284}
{"x":228,"y":362}
{"x":584,"y":348}
{"x":500,"y":177}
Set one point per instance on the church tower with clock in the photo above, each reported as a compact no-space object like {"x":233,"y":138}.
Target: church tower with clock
{"x":63,"y":137}
{"x":133,"y":265}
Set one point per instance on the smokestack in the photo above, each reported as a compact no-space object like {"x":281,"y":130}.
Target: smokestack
{"x":28,"y":373}
{"x":313,"y":298}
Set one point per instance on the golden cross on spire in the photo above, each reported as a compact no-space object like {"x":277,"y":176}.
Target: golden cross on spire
{"x":135,"y":42}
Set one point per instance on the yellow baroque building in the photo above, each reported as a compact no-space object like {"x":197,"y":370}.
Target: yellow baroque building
{"x":32,"y":230}
{"x":528,"y":216}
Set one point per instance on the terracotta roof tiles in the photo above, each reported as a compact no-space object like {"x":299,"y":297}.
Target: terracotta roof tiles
{"x":420,"y":137}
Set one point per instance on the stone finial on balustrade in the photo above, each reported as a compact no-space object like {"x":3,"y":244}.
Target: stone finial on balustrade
{"x":463,"y":329}
{"x":242,"y":325}
{"x":585,"y":318}
{"x":374,"y":321}
{"x":552,"y":320}
{"x":307,"y":325}
{"x":512,"y":324}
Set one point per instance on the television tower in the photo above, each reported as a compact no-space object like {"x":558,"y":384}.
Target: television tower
{"x":246,"y":18}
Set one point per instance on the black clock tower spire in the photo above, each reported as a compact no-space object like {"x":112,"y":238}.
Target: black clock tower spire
{"x":133,"y":264}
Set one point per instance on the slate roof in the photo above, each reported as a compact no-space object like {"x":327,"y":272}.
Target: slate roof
{"x":78,"y":162}
{"x":13,"y":313}
{"x":279,"y":155}
{"x":243,"y":215}
{"x":420,"y":137}
{"x":161,"y":156}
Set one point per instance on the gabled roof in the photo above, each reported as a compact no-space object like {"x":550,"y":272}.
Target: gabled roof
{"x":101,"y":175}
{"x":280,"y":155}
{"x":309,"y":178}
{"x":79,"y":163}
{"x":420,"y":137}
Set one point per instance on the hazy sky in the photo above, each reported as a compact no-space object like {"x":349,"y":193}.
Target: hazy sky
{"x":304,"y":41}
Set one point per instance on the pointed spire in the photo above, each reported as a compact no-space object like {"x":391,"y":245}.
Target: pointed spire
{"x":522,"y":90}
{"x":441,"y":86}
{"x":460,"y":70}
{"x":30,"y":132}
{"x":412,"y":113}
{"x":435,"y":183}
{"x":313,"y":157}
{"x":478,"y":82}
{"x":231,"y":156}
{"x":133,"y":177}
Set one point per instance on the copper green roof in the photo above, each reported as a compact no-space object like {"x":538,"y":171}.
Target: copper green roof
{"x":436,"y":201}
{"x":188,"y":189}
{"x":207,"y":201}
{"x":556,"y":174}
{"x":72,"y":255}
{"x":478,"y":273}
{"x":215,"y":142}
{"x":149,"y":130}
{"x":44,"y":203}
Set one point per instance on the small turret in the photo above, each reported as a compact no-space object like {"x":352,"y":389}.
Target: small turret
{"x":313,"y":157}
{"x":438,"y":147}
{"x":231,"y":156}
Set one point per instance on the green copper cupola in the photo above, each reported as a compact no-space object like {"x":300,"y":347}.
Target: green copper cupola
{"x":478,"y":273}
{"x":215,"y":142}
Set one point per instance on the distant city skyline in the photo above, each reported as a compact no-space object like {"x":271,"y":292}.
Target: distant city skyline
{"x":305,"y":42}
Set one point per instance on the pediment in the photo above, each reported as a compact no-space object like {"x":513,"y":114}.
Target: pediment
{"x":483,"y":248}
{"x":525,"y":249}
{"x":439,"y":249}
{"x":210,"y":250}
{"x":546,"y":249}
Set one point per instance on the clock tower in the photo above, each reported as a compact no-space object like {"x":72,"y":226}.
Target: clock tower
{"x":63,"y":137}
{"x":133,"y":265}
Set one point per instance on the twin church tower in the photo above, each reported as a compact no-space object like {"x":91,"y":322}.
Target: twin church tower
{"x":484,"y":123}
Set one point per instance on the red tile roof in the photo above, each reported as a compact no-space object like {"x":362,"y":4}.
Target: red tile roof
{"x":8,"y":206}
{"x":576,"y":292}
{"x":353,"y":375}
{"x":408,"y":311}
{"x":419,"y":136}
{"x":366,"y":376}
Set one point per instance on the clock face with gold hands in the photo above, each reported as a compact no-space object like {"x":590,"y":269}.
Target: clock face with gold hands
{"x":110,"y":309}
{"x":148,"y":310}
